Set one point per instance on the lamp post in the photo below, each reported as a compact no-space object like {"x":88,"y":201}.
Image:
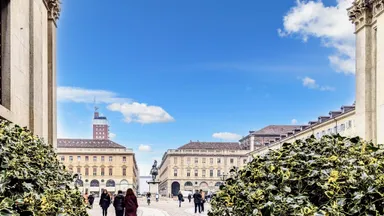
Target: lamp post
{"x":223,"y":177}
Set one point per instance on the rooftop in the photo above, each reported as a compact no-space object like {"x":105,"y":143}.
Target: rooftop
{"x":87,"y":143}
{"x":276,"y":129}
{"x":211,"y":145}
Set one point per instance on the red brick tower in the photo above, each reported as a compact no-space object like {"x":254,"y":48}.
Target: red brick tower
{"x":100,"y":126}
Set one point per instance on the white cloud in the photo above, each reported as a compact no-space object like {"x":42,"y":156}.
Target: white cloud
{"x":81,"y":95}
{"x":328,"y":23}
{"x":226,"y":136}
{"x":141,"y":113}
{"x":311,"y":83}
{"x":145,"y":148}
{"x":294,"y":122}
{"x":112,"y":135}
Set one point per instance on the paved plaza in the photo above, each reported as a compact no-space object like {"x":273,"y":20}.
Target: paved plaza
{"x":165,"y":207}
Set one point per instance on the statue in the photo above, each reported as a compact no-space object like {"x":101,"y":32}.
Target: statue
{"x":154,"y":171}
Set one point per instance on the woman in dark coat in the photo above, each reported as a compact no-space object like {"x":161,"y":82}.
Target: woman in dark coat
{"x":105,"y":201}
{"x":130,"y":203}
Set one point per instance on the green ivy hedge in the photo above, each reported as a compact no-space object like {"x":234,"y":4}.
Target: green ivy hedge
{"x":331,"y":176}
{"x":32,"y":180}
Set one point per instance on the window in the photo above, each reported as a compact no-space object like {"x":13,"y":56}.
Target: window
{"x":102,"y":171}
{"x":211,"y":173}
{"x":188,"y":173}
{"x":102,"y":158}
{"x":110,"y":158}
{"x":196,"y":173}
{"x":231,"y":160}
{"x":70,"y":158}
{"x":329,"y":131}
{"x":78,"y":170}
{"x":244,"y":161}
{"x":175,"y":172}
{"x":78,"y":158}
{"x":86,"y":158}
{"x":71,"y":169}
{"x":335,"y":130}
{"x":62,"y":158}
{"x":318,"y":135}
{"x":342,"y":127}
{"x":218,"y":173}
{"x":211,"y":160}
{"x":110,"y":171}
{"x":124,"y":171}
{"x":203,"y":173}
{"x":349,"y":124}
{"x":218,"y":160}
{"x":94,"y":171}
{"x":124,"y":159}
{"x":175,"y":160}
{"x":196,"y":160}
{"x":188,"y":160}
{"x":204,"y":159}
{"x":86,"y":171}
{"x":94,"y":158}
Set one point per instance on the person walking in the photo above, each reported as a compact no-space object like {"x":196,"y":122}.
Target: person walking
{"x":189,"y":197}
{"x":91,"y":198}
{"x":105,"y":201}
{"x":197,"y":201}
{"x":202,"y":200}
{"x":119,"y":203}
{"x":130,"y":203}
{"x":180,"y":198}
{"x":157,"y":197}
{"x":148,"y":198}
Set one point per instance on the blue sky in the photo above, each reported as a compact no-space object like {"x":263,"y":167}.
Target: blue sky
{"x":166,"y":72}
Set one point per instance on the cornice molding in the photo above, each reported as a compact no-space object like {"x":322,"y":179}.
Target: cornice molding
{"x":54,"y":9}
{"x":364,"y":12}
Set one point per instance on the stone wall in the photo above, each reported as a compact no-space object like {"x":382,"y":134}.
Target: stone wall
{"x":29,"y":65}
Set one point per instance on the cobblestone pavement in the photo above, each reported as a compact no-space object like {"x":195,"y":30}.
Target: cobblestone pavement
{"x":165,"y":207}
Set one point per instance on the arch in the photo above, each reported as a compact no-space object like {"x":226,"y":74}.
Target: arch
{"x":188,"y":183}
{"x":110,"y":183}
{"x":79,"y":183}
{"x":124,"y":182}
{"x":204,"y":186}
{"x":95,"y":183}
{"x":175,"y":188}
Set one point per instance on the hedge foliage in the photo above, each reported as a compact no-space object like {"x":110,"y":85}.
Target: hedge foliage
{"x":32,"y":180}
{"x":331,"y":176}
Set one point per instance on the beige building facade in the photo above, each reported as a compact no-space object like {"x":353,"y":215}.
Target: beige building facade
{"x":337,"y":122}
{"x":28,"y":65}
{"x":101,"y":164}
{"x":198,"y":165}
{"x":368,"y":18}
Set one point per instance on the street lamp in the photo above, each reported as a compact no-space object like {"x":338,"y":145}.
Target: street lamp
{"x":223,"y":177}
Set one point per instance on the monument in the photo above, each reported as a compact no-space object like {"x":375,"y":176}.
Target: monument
{"x":154,"y":183}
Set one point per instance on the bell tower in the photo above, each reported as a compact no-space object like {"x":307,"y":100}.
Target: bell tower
{"x":368,"y":18}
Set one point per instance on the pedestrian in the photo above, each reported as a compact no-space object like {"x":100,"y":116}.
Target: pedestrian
{"x":189,"y":197}
{"x":180,"y":198}
{"x":130,"y":203}
{"x":157,"y":197}
{"x":91,"y":198}
{"x":197,"y":201}
{"x":119,"y":204}
{"x":148,"y":198}
{"x":105,"y":201}
{"x":202,"y":200}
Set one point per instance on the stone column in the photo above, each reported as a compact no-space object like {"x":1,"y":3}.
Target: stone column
{"x":251,"y":143}
{"x":369,"y":73}
{"x":53,"y":15}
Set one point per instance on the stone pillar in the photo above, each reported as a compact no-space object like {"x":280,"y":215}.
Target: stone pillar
{"x":367,"y":16}
{"x":251,"y":143}
{"x":53,"y":15}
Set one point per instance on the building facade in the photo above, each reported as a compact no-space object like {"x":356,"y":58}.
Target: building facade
{"x":337,"y":122}
{"x":28,"y":64}
{"x":261,"y":138}
{"x":198,"y":165}
{"x":368,"y":18}
{"x":101,"y":164}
